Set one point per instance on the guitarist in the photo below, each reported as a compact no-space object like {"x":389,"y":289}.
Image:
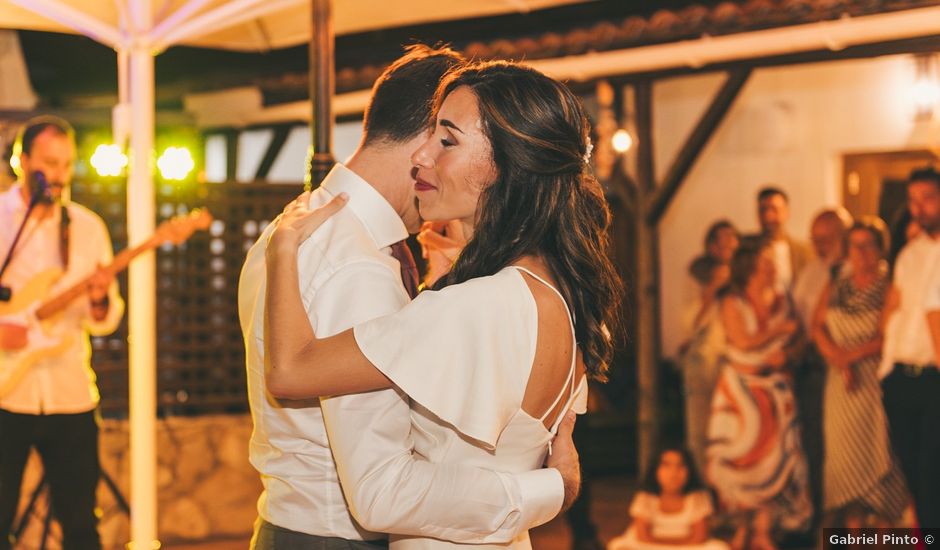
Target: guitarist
{"x":52,"y":408}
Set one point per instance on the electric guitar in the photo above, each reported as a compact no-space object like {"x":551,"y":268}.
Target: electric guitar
{"x":29,"y":316}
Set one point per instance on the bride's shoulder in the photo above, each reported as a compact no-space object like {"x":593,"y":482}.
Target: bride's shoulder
{"x":506,"y":279}
{"x":500,"y":301}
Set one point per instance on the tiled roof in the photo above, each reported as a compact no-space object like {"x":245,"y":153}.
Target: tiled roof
{"x":662,"y":26}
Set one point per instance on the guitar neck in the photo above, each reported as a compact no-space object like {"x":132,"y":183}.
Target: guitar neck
{"x":119,"y":264}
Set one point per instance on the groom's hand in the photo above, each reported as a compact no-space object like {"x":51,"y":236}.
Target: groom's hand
{"x":564,"y":458}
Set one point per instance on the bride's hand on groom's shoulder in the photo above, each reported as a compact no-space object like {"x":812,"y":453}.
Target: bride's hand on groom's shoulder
{"x":564,"y":458}
{"x":298,"y":221}
{"x":441,"y":243}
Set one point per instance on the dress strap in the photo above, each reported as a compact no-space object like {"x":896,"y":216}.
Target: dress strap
{"x":554,"y":429}
{"x":569,"y":381}
{"x":575,"y":389}
{"x":555,"y":290}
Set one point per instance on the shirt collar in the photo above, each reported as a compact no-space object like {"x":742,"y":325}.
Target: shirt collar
{"x":922,"y":239}
{"x":11,"y":200}
{"x":375,"y":213}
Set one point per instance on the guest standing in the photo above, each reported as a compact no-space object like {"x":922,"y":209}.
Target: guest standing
{"x":789,"y":255}
{"x":701,"y":354}
{"x":911,"y":381}
{"x":755,"y":459}
{"x":827,"y":233}
{"x":860,"y":475}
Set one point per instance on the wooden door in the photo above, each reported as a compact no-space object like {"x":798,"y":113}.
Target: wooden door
{"x":874,"y":183}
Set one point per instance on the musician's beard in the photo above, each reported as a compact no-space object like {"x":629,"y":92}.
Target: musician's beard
{"x":56,"y":194}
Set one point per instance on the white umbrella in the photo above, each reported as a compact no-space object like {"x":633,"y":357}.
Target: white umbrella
{"x":239,"y":24}
{"x":140,"y":29}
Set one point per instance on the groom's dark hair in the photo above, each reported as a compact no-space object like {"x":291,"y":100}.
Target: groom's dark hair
{"x":400,"y":106}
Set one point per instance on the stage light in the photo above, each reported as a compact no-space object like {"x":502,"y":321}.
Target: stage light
{"x":622,"y":141}
{"x":15,"y":163}
{"x":108,"y":160}
{"x":175,"y":163}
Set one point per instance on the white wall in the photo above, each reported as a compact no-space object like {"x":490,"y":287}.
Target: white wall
{"x":789,"y":126}
{"x":290,"y":164}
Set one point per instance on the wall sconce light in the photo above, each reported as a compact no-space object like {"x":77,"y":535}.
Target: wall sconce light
{"x":926,"y":91}
{"x":622,"y":141}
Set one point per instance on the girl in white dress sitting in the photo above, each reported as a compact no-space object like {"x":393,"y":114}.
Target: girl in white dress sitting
{"x":670,"y":510}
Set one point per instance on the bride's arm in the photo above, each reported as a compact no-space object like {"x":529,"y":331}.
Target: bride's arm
{"x":297,"y":364}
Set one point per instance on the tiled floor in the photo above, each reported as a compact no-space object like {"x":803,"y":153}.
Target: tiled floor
{"x":610,"y":499}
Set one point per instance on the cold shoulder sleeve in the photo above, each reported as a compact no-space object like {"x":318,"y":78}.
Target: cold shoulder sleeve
{"x":643,"y":506}
{"x":464,"y":353}
{"x":700,"y":505}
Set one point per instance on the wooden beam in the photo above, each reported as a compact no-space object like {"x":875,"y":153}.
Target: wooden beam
{"x":231,"y":154}
{"x":620,"y":181}
{"x":643,"y":107}
{"x":647,"y":283}
{"x":696,"y":142}
{"x":322,"y":88}
{"x":281,"y":132}
{"x":928,"y":44}
{"x":622,"y":185}
{"x":96,"y":117}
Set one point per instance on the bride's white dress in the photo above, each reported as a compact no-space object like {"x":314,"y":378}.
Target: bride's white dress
{"x":464,"y":355}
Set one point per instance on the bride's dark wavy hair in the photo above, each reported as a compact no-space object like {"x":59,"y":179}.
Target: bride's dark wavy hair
{"x":543,"y":201}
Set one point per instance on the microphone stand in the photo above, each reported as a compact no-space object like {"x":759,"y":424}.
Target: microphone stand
{"x":38,"y":196}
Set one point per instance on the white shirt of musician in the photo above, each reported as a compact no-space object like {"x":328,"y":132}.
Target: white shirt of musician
{"x":347,"y":277}
{"x":64,"y":383}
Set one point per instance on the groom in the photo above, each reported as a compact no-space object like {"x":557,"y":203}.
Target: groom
{"x":311,"y":454}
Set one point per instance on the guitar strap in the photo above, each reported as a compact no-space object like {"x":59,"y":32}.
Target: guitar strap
{"x":64,"y":222}
{"x":16,"y":239}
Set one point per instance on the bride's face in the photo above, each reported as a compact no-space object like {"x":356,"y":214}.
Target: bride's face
{"x":455,"y":164}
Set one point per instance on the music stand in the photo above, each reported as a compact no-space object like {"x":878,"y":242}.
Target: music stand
{"x":20,"y":526}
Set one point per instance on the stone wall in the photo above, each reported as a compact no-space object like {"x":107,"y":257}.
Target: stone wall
{"x":206,"y":487}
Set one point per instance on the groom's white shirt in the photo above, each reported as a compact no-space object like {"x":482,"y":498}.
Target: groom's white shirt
{"x":348,"y":276}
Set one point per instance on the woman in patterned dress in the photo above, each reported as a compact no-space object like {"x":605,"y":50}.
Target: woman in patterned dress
{"x":860,"y":476}
{"x":701,"y":355}
{"x":755,"y":460}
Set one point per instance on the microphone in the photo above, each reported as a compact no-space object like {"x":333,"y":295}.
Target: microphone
{"x":40,"y":187}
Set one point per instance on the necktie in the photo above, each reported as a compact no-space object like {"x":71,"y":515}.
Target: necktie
{"x":834,"y":271}
{"x":409,"y":271}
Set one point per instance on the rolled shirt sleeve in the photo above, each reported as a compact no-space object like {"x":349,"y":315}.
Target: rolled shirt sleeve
{"x":105,"y":256}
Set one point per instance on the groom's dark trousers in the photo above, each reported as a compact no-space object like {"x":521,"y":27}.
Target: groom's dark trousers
{"x":272,"y":537}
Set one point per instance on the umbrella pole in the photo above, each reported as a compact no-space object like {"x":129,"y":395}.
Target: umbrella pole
{"x":322,"y":89}
{"x":142,"y":290}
